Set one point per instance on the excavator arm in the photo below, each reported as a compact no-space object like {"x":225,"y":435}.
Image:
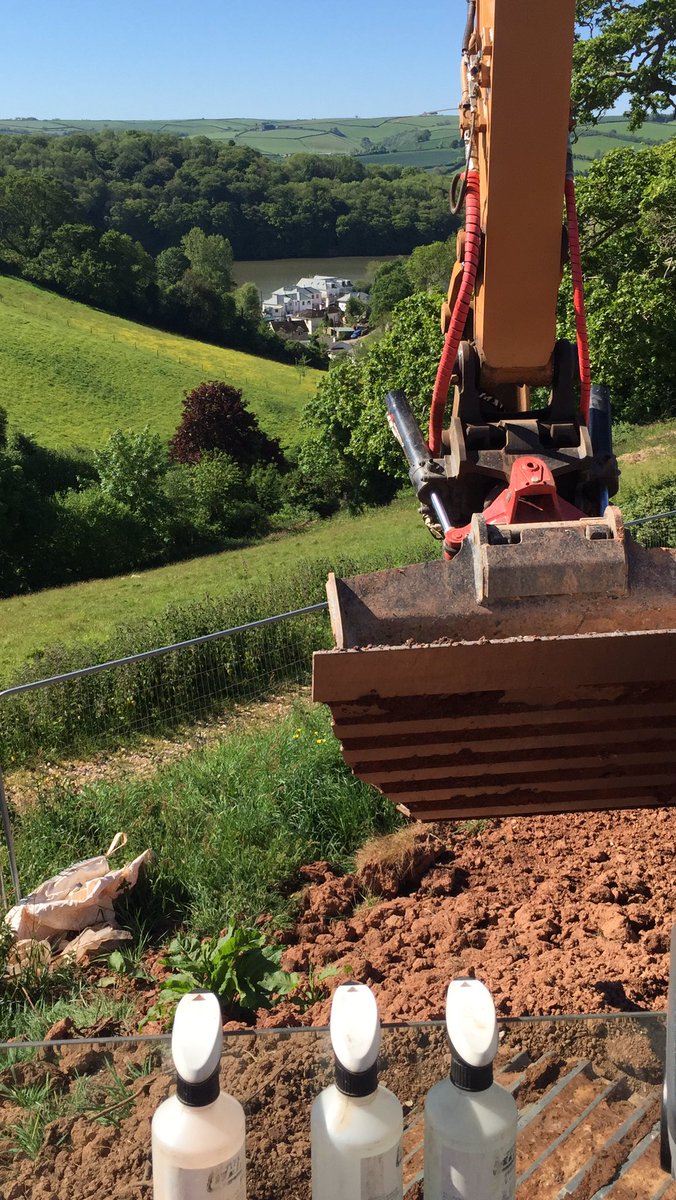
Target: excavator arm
{"x":531,"y":669}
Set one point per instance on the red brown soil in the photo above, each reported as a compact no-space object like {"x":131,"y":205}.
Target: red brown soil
{"x":557,"y":914}
{"x":277,"y":1080}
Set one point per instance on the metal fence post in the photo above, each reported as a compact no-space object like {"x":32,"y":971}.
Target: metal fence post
{"x":9,"y":838}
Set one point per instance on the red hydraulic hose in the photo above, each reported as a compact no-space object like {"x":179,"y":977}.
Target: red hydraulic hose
{"x":578,"y":298}
{"x":456,"y":328}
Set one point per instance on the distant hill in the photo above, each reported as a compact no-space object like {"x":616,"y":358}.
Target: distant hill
{"x":71,"y":375}
{"x":429,"y":141}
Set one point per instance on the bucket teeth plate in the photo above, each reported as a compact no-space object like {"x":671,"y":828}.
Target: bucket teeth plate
{"x":496,"y":726}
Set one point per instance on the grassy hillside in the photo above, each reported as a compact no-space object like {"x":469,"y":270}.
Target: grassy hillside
{"x":90,"y":611}
{"x":398,"y":136}
{"x":71,"y":375}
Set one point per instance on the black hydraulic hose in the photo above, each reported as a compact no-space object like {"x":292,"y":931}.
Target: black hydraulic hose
{"x":418,"y":455}
{"x":410,"y":434}
{"x":600,"y":422}
{"x":469,"y":27}
{"x":601,"y":431}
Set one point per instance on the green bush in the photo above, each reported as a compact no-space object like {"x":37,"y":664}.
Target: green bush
{"x":52,"y":470}
{"x":131,"y":468}
{"x":649,"y":498}
{"x":215,"y":496}
{"x":96,"y":536}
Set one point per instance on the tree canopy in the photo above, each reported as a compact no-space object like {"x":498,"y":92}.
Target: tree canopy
{"x":624,"y":48}
{"x":627,"y":213}
{"x":215,"y":417}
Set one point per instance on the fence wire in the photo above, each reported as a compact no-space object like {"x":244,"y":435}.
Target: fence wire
{"x":653,"y":532}
{"x":157,"y":691}
{"x":168,"y":687}
{"x":161,"y":690}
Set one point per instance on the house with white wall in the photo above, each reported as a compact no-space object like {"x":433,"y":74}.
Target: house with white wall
{"x":292,"y":301}
{"x":330,"y":286}
{"x":311,"y":295}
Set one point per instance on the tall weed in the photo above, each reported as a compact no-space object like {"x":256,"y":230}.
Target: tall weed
{"x":230,"y":825}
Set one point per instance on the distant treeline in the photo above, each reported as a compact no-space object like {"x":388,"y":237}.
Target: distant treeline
{"x":146,"y":225}
{"x":156,"y":187}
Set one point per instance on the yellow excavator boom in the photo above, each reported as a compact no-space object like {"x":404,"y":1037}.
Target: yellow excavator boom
{"x":533,"y":668}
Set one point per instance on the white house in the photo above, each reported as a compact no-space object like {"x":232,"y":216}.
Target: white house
{"x":330,"y":286}
{"x":291,"y":301}
{"x":342,"y":303}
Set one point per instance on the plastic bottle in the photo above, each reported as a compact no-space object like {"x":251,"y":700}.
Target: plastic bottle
{"x":198,"y":1133}
{"x":470,"y":1121}
{"x":356,"y":1125}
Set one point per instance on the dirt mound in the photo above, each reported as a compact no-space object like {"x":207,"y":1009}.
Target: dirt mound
{"x":556,"y":914}
{"x":391,"y":865}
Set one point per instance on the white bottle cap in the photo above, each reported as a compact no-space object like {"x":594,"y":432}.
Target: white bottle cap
{"x":196,"y":1041}
{"x":471,"y":1022}
{"x":355,"y":1036}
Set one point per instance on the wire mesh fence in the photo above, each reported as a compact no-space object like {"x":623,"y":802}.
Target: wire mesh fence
{"x":654,"y":531}
{"x":162,"y":689}
{"x":158,"y":690}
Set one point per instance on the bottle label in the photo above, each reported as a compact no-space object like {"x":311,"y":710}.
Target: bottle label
{"x":226,"y":1181}
{"x":465,"y":1176}
{"x":381,"y":1175}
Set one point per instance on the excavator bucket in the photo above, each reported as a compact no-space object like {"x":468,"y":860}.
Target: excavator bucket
{"x":533,"y":673}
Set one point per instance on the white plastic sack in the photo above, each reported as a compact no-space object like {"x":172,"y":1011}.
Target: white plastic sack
{"x":78,"y":898}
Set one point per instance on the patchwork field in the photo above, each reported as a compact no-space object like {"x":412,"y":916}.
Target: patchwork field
{"x":395,"y":140}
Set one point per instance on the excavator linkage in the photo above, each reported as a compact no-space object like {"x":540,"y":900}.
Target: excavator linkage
{"x":459,"y":691}
{"x":532,"y":670}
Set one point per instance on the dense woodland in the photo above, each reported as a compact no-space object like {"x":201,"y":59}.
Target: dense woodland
{"x":147,"y":225}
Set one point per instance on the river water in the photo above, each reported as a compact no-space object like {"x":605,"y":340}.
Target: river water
{"x":277,"y":272}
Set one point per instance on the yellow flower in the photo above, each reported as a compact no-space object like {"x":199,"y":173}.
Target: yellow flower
{"x":296,"y":735}
{"x":320,"y":741}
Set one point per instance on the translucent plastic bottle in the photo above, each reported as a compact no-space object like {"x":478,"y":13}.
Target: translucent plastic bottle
{"x":356,"y":1125}
{"x":470,"y":1121}
{"x":198,"y":1133}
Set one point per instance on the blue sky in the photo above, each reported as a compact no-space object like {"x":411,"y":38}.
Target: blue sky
{"x":251,"y":58}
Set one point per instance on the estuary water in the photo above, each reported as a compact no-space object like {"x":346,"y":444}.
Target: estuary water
{"x":277,"y":272}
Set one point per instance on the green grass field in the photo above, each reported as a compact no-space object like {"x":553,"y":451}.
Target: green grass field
{"x":71,"y":375}
{"x":89,"y":612}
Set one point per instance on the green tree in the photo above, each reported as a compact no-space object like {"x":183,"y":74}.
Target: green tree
{"x":170,"y":266}
{"x":390,"y":285}
{"x":60,"y":261}
{"x":202,"y":310}
{"x":32,"y":207}
{"x":248,"y":301}
{"x":624,"y":47}
{"x":348,"y":437}
{"x":627,"y":206}
{"x":354,"y":307}
{"x":210,"y":257}
{"x":429,"y":267}
{"x":131,"y":468}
